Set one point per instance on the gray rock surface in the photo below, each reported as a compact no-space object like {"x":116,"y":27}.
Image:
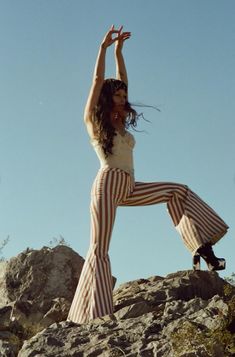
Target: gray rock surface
{"x":40,"y":275}
{"x":36,"y":290}
{"x":185,"y":314}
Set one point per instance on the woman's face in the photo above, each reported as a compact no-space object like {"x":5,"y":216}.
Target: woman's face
{"x":119,"y":114}
{"x":119,"y":99}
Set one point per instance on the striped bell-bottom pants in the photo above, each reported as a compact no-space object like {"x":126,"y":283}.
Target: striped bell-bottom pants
{"x":196,"y":222}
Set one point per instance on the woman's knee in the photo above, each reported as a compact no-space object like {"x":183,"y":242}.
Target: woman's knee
{"x":182,"y":189}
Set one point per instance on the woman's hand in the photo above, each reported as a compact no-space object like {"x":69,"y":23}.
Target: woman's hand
{"x":109,"y":39}
{"x":122,"y":36}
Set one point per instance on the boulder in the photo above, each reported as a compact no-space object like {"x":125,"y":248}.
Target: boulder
{"x":36,"y":290}
{"x":43,"y":275}
{"x":185,"y":314}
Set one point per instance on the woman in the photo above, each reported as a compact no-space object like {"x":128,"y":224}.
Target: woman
{"x":107,"y":116}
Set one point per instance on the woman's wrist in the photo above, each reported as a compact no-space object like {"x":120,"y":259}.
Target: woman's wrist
{"x":103,"y":46}
{"x":118,"y":51}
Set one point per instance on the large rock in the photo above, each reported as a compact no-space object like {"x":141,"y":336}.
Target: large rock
{"x":36,"y":290}
{"x":186,"y":314}
{"x":45,"y":274}
{"x":184,"y":285}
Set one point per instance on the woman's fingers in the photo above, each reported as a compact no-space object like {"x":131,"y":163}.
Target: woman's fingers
{"x":126,"y":34}
{"x":109,"y":39}
{"x":120,"y":29}
{"x":116,"y":35}
{"x":126,"y":37}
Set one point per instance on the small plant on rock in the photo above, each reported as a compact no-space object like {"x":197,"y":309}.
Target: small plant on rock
{"x":57,"y":241}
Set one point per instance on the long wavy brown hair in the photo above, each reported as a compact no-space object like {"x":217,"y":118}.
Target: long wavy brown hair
{"x":102,"y":114}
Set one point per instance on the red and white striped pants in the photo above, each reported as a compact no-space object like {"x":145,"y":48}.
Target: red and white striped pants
{"x":196,"y":222}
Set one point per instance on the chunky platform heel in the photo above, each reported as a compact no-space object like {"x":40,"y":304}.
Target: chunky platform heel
{"x":196,"y":262}
{"x":213,"y":263}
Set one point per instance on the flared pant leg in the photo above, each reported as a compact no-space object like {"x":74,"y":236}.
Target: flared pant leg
{"x":93,"y":297}
{"x":196,"y":222}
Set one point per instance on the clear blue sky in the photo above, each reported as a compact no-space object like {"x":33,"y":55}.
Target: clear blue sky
{"x":181,"y":58}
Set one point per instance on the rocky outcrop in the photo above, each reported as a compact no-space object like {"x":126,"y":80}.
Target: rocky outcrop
{"x":36,"y":290}
{"x":185,"y":314}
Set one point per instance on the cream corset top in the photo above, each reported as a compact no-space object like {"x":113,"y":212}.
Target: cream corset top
{"x":122,"y":152}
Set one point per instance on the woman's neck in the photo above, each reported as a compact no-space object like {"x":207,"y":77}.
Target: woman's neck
{"x":118,"y":123}
{"x":120,"y":127}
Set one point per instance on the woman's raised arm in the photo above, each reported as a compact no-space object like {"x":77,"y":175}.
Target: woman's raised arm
{"x":121,"y":72}
{"x":99,"y":73}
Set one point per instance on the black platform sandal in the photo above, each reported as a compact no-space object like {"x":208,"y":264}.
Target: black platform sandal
{"x":206,"y":252}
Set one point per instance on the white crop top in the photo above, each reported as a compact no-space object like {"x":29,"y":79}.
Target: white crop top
{"x":122,"y":153}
